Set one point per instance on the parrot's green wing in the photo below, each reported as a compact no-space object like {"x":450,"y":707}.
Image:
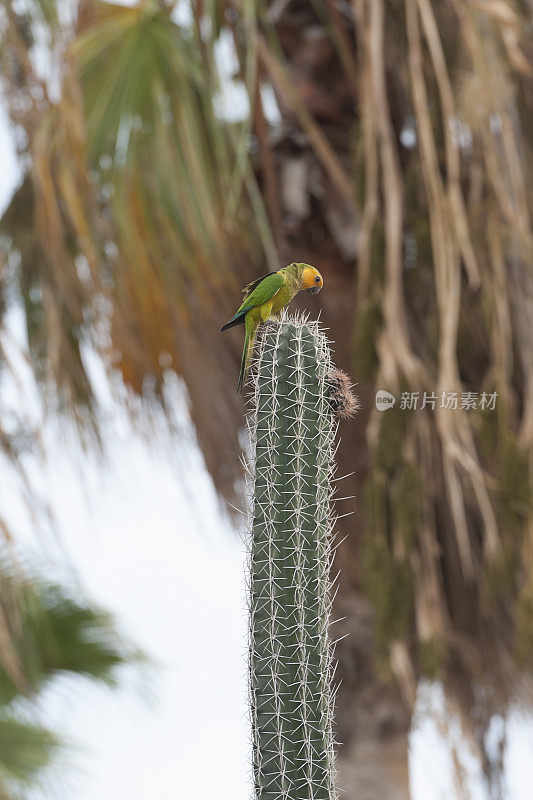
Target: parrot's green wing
{"x":248,"y":289}
{"x":262,"y":291}
{"x":258,"y":293}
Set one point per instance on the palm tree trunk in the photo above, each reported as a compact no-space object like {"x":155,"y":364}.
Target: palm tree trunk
{"x":321,"y":226}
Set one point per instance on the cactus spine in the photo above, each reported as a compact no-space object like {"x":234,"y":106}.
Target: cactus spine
{"x":290,"y":661}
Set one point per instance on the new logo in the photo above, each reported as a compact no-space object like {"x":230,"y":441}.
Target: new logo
{"x":384,"y":400}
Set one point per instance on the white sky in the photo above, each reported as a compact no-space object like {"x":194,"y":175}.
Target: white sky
{"x":147,"y":540}
{"x":171,"y":570}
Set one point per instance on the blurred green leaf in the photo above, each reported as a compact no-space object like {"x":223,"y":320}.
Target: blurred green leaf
{"x":25,"y":751}
{"x":49,"y":633}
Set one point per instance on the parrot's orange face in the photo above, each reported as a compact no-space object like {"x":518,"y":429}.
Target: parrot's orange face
{"x":312,"y":280}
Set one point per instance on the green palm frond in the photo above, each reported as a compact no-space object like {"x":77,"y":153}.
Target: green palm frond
{"x":48,"y":632}
{"x":26,"y":750}
{"x":132,"y":61}
{"x":148,"y":100}
{"x":45,"y":633}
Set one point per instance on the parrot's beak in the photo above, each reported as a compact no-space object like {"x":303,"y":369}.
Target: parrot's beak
{"x":314,"y":289}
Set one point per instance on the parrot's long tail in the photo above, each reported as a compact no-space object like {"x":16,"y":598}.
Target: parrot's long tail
{"x":248,"y":349}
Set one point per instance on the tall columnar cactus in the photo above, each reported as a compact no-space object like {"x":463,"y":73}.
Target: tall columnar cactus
{"x":290,"y":660}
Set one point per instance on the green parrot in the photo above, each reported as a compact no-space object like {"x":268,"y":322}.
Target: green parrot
{"x":265,"y":297}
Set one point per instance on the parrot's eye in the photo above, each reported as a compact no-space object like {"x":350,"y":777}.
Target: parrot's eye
{"x":317,"y":279}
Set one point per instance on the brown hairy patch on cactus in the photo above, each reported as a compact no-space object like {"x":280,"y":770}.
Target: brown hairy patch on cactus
{"x":343,"y":400}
